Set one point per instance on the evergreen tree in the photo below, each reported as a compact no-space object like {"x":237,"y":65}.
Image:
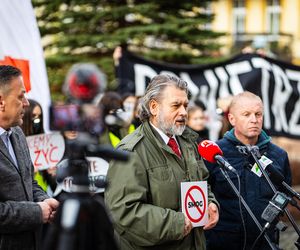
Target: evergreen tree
{"x":88,"y":31}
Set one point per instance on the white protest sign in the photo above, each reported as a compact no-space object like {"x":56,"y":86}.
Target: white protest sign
{"x":194,"y":202}
{"x":46,"y":150}
{"x":97,"y":173}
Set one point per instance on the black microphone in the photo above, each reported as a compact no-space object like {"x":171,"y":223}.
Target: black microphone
{"x":278,"y":179}
{"x":107,"y":151}
{"x":211,"y":152}
{"x":275,"y":176}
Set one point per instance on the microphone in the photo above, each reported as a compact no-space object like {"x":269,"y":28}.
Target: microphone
{"x":84,"y":82}
{"x":277,"y":178}
{"x":211,"y":152}
{"x":107,"y":151}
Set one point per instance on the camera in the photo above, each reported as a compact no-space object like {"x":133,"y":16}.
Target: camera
{"x":74,"y":117}
{"x":82,"y":221}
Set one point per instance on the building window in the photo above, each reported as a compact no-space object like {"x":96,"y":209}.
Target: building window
{"x":239,"y":16}
{"x":273,"y":16}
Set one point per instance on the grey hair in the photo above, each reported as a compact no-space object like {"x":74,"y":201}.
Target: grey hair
{"x":155,"y":90}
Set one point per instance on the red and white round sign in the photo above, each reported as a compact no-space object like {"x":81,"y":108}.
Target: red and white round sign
{"x":195,"y":204}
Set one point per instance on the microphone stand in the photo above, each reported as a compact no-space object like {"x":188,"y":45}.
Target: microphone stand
{"x":290,"y":190}
{"x":256,"y":154}
{"x":226,"y":176}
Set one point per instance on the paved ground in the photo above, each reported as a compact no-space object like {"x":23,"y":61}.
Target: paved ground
{"x":288,"y":238}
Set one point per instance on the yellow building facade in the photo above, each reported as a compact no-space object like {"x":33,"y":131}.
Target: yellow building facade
{"x":271,"y":25}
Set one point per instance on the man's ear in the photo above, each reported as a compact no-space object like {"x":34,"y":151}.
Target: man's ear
{"x":231,"y":119}
{"x":153,"y":106}
{"x":2,"y":103}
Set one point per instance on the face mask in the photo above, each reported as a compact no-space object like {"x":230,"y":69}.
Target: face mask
{"x":37,"y":126}
{"x":128,"y":106}
{"x":116,"y":117}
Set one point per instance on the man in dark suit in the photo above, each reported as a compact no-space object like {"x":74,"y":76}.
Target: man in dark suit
{"x":24,"y":206}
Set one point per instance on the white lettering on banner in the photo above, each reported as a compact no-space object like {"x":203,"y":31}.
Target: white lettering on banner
{"x":165,"y":72}
{"x":214,"y":125}
{"x":222,"y":75}
{"x":212,"y":94}
{"x":203,"y":92}
{"x":234,"y":70}
{"x":141,"y":72}
{"x":294,"y":127}
{"x":193,"y":88}
{"x":265,"y":78}
{"x":225,"y":80}
{"x":280,"y":98}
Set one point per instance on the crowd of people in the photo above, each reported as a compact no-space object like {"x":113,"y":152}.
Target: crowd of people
{"x":161,"y":130}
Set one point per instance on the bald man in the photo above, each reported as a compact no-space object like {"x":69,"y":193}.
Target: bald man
{"x":246,"y":117}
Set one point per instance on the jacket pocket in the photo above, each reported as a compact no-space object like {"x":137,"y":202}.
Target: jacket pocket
{"x":163,"y":186}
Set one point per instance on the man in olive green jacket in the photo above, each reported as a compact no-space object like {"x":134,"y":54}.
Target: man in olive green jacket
{"x":144,"y":193}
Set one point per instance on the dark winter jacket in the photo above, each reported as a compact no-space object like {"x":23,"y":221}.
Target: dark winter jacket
{"x":20,"y":215}
{"x":255,"y":190}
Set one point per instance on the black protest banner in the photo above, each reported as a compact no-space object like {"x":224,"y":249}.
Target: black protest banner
{"x":276,"y":82}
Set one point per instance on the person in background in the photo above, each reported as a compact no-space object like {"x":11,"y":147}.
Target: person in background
{"x":33,"y":125}
{"x":130,"y":104}
{"x":223,"y":110}
{"x":33,"y":119}
{"x":111,"y":106}
{"x":197,"y":122}
{"x":144,"y":192}
{"x":246,"y":117}
{"x":24,"y":206}
{"x":123,"y":84}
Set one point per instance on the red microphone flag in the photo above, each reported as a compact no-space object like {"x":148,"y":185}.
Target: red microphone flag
{"x":208,"y":150}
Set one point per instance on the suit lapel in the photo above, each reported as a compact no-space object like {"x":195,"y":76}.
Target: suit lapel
{"x":16,"y":143}
{"x":4,"y":151}
{"x":20,"y":147}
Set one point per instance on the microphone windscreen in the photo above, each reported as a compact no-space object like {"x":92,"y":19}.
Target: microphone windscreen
{"x":208,"y":150}
{"x":84,"y":82}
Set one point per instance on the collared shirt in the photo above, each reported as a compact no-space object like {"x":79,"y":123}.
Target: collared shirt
{"x":3,"y":134}
{"x":164,"y":136}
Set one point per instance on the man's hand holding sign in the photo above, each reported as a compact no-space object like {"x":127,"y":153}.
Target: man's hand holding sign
{"x":213,"y":216}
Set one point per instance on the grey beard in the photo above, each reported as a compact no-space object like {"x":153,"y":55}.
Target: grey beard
{"x":171,"y":130}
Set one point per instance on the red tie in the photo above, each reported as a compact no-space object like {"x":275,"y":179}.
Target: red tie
{"x":174,"y":146}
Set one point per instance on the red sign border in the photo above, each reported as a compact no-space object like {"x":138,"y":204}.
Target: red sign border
{"x":185,"y":204}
